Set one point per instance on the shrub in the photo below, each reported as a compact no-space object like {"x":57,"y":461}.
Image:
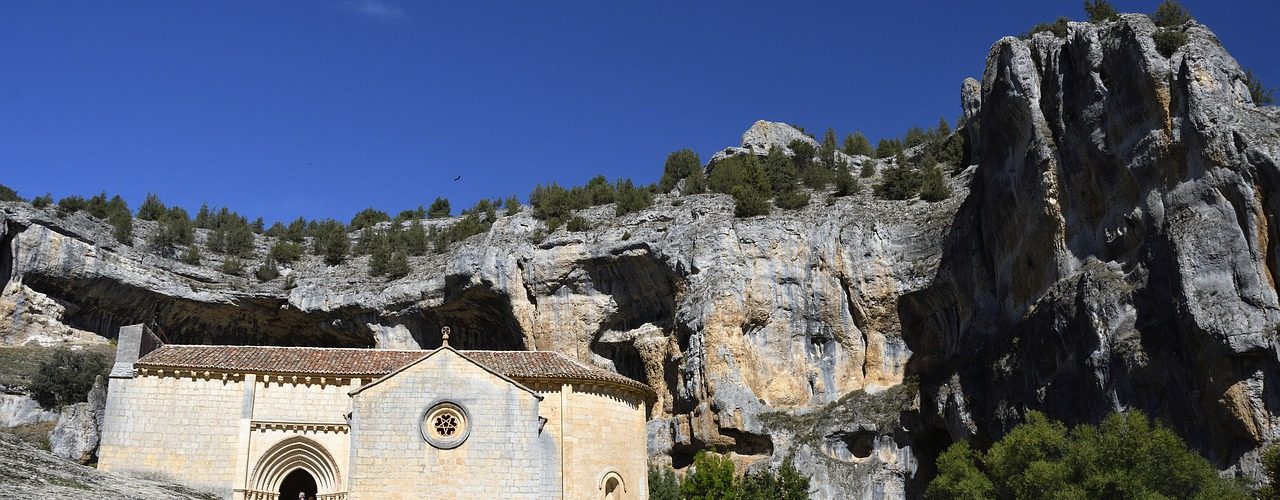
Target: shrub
{"x":439,"y":209}
{"x":738,"y":171}
{"x":630,"y":198}
{"x":1260,"y":94}
{"x":174,"y":229}
{"x":791,"y":200}
{"x":70,"y":205}
{"x":802,"y":153}
{"x":285,"y":251}
{"x":1100,"y":11}
{"x":398,"y":267}
{"x":846,"y":183}
{"x":679,"y":165}
{"x":190,"y":256}
{"x":711,"y":478}
{"x":933,"y":186}
{"x":512,"y":205}
{"x":204,"y":217}
{"x":42,"y":201}
{"x":695,"y":183}
{"x":1170,"y":14}
{"x":787,"y":484}
{"x":857,"y":144}
{"x":267,"y":271}
{"x":577,"y":224}
{"x":368,"y":217}
{"x":1058,"y":28}
{"x":1126,"y":456}
{"x":888,"y":147}
{"x":330,"y":241}
{"x":231,"y":235}
{"x":414,"y":239}
{"x":868,"y":169}
{"x":827,"y":149}
{"x":780,"y":171}
{"x":663,"y":484}
{"x":152,"y":208}
{"x":408,"y":215}
{"x":1169,"y":41}
{"x":898,"y":182}
{"x":232,"y":265}
{"x":8,"y":194}
{"x":67,"y":377}
{"x":1270,"y":468}
{"x":748,"y":202}
{"x":297,"y":230}
{"x":121,"y":226}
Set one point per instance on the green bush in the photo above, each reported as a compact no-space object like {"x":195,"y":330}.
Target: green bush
{"x":933,"y":185}
{"x":679,"y":165}
{"x":286,"y":251}
{"x":802,"y":153}
{"x":846,"y":183}
{"x":738,"y":171}
{"x":1170,"y":14}
{"x":152,"y":208}
{"x":42,"y":201}
{"x":232,"y":265}
{"x":577,"y":224}
{"x":791,"y":200}
{"x":8,"y":194}
{"x":190,"y":256}
{"x":121,"y":226}
{"x":630,"y":198}
{"x":827,"y":149}
{"x":330,"y":241}
{"x":414,"y":239}
{"x":174,"y":229}
{"x":780,"y":171}
{"x":1100,"y":11}
{"x":663,"y":484}
{"x":787,"y":484}
{"x":888,"y":147}
{"x":512,"y":205}
{"x":1260,"y":94}
{"x":695,"y":183}
{"x":231,"y":234}
{"x":898,"y":182}
{"x":71,"y":205}
{"x":408,"y":215}
{"x":868,"y":169}
{"x":439,"y":209}
{"x":368,"y":217}
{"x":711,"y":478}
{"x":398,"y":267}
{"x":748,"y":202}
{"x":1058,"y":28}
{"x":1270,"y":468}
{"x":1169,"y":41}
{"x":857,"y":144}
{"x":267,"y":271}
{"x":67,"y":377}
{"x":1126,"y":456}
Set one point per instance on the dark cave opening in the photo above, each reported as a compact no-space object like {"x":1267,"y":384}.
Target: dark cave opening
{"x":625,"y":357}
{"x":478,"y":317}
{"x":7,"y":253}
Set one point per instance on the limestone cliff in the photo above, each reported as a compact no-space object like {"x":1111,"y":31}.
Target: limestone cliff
{"x":742,"y":326}
{"x":1117,"y":249}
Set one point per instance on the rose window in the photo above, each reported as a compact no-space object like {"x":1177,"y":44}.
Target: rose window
{"x":445,"y":425}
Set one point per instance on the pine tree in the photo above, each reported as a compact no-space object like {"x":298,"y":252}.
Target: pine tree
{"x":512,"y":205}
{"x":857,"y":144}
{"x":780,"y":171}
{"x":846,"y":183}
{"x":415,"y":238}
{"x":42,"y":201}
{"x":8,"y":194}
{"x":868,"y":168}
{"x":439,"y":209}
{"x":695,"y":183}
{"x":398,"y":267}
{"x":204,"y":220}
{"x":679,"y":165}
{"x":191,"y":255}
{"x":152,"y":208}
{"x":934,"y":186}
{"x":1100,"y":11}
{"x":285,"y":251}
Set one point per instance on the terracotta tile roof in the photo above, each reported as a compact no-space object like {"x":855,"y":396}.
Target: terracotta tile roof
{"x":518,"y":365}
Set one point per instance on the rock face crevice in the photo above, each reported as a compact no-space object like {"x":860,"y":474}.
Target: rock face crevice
{"x":1116,"y":249}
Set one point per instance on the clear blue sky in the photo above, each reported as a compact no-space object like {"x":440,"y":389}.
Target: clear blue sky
{"x":320,"y":108}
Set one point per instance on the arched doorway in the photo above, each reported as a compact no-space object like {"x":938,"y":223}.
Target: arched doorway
{"x":296,"y":483}
{"x":294,"y":465}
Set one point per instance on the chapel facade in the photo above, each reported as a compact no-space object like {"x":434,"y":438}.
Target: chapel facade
{"x":257,"y":423}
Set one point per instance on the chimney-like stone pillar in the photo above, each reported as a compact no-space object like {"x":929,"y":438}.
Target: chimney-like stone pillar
{"x":134,"y":342}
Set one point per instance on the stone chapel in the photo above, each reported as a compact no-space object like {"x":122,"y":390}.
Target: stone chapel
{"x":258,"y":423}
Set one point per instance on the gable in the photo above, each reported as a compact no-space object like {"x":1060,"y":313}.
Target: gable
{"x":443,"y":365}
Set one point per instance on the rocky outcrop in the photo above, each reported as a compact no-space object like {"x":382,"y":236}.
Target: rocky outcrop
{"x":1117,"y":249}
{"x":765,"y":135}
{"x":75,"y":437}
{"x":20,"y":409}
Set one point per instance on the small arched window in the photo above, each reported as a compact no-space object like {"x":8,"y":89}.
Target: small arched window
{"x":612,"y":487}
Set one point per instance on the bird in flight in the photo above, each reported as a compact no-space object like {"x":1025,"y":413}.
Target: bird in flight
{"x":458,"y":178}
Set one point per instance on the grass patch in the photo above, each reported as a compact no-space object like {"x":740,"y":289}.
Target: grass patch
{"x":37,"y":434}
{"x":19,"y":364}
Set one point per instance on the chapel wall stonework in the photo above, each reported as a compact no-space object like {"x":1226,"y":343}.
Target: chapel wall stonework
{"x":237,"y":433}
{"x":504,"y":456}
{"x":183,"y":429}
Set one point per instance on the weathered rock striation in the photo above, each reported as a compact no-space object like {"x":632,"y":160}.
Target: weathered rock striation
{"x":1117,"y":249}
